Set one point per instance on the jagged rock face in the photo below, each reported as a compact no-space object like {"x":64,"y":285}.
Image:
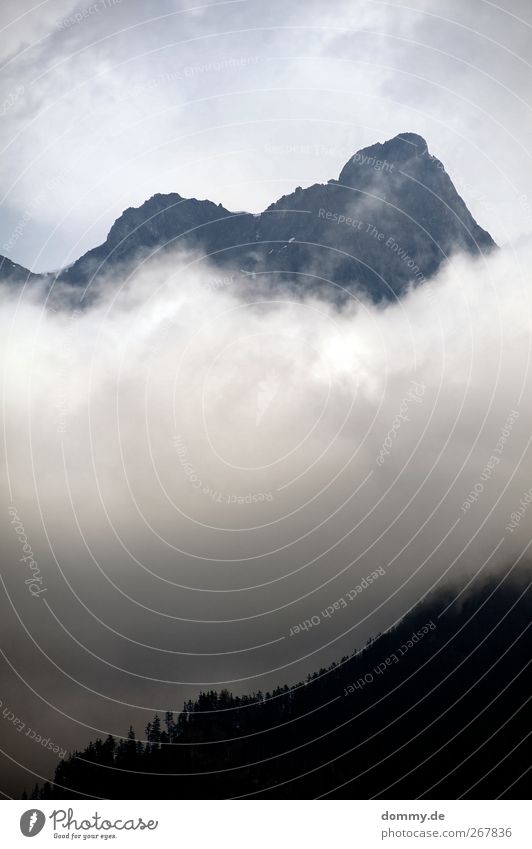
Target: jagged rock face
{"x":389,"y":221}
{"x":16,"y":275}
{"x":162,"y":223}
{"x":392,"y":217}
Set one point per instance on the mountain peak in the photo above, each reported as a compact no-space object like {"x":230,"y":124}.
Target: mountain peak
{"x":411,"y":142}
{"x":388,"y":223}
{"x":387,"y":156}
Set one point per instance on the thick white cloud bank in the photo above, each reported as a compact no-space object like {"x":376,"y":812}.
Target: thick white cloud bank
{"x":223,"y":457}
{"x":192,"y":474}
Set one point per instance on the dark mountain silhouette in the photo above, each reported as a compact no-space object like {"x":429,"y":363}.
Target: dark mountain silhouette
{"x":12,"y":273}
{"x":390,"y":220}
{"x":437,"y":708}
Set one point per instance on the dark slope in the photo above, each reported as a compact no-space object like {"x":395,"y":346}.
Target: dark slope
{"x":163,"y":222}
{"x":14,"y":274}
{"x":442,"y":714}
{"x":393,"y":217}
{"x":390,"y":220}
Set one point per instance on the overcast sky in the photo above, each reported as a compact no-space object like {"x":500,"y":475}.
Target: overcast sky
{"x":105,"y":103}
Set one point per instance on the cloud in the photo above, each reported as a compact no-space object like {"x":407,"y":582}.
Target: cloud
{"x":244,"y":102}
{"x":196,"y":472}
{"x":197,"y":468}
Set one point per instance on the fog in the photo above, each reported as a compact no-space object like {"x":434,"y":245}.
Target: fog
{"x":195,"y":469}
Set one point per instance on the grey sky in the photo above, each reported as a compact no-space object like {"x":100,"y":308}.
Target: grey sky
{"x":107,"y":103}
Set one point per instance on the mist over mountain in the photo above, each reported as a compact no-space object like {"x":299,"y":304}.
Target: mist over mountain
{"x":209,"y":443}
{"x":435,"y":708}
{"x":389,"y":221}
{"x":266,"y":402}
{"x":15,"y":274}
